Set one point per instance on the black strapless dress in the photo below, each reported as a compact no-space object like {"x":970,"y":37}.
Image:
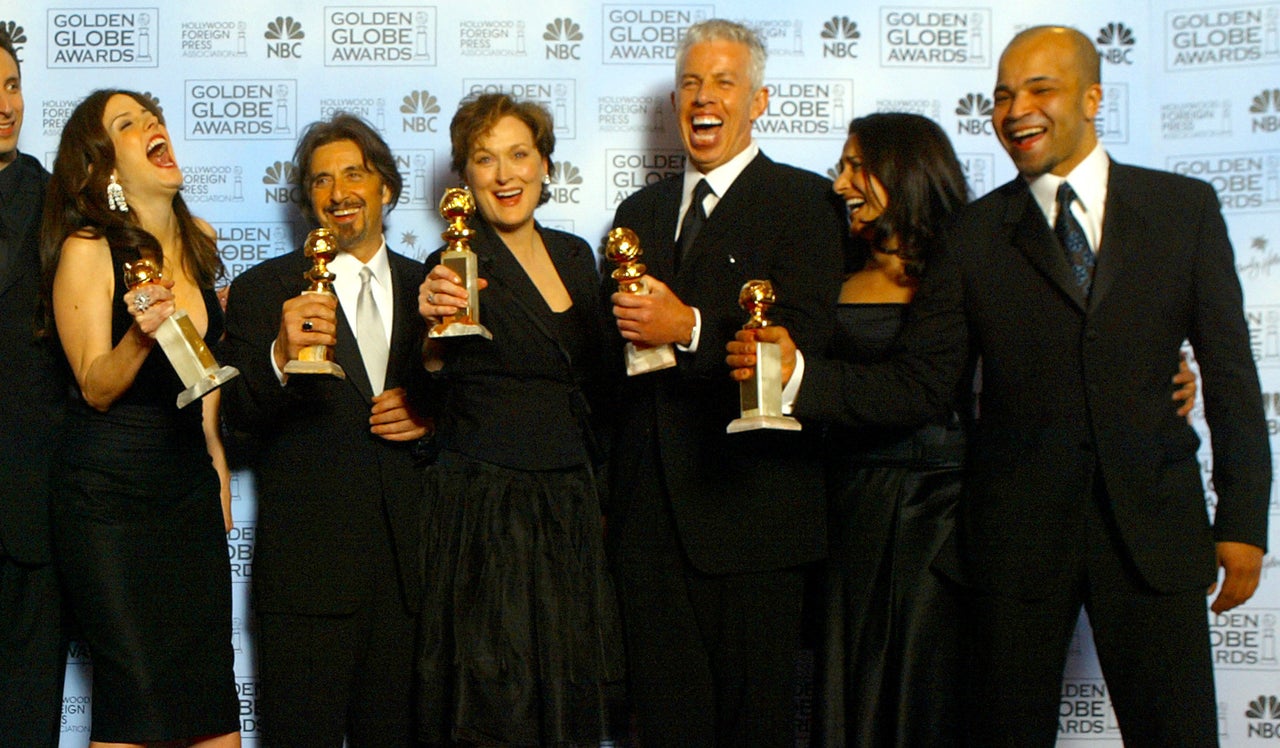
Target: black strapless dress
{"x":142,"y":554}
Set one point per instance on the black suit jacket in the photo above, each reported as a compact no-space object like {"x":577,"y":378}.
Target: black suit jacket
{"x":1071,"y":386}
{"x":327,"y":489}
{"x":33,"y":373}
{"x":750,"y":501}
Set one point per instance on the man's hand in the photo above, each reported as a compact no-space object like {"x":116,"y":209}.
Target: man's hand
{"x":1185,"y":392}
{"x":656,"y":318}
{"x":742,"y":351}
{"x":1241,"y":564}
{"x":306,"y":319}
{"x":393,"y":419}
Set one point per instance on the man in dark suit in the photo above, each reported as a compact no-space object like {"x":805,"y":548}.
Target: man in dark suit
{"x":337,"y":469}
{"x":32,"y":394}
{"x":710,"y":532}
{"x":1083,"y":485}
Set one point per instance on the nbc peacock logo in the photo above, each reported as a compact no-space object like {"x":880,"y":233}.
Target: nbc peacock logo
{"x":16,"y":34}
{"x":1263,"y":717}
{"x":840,"y":37}
{"x":564,"y":39}
{"x":1265,"y":111}
{"x":283,"y":183}
{"x":1115,"y":43}
{"x":421,"y":112}
{"x":566,"y":184}
{"x":284,"y":36}
{"x":973,"y":114}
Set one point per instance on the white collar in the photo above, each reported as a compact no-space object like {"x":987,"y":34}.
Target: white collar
{"x":720,"y":178}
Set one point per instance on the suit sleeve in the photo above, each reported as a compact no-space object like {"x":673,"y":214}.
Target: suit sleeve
{"x":254,"y":400}
{"x":1232,"y":395}
{"x":917,"y":383}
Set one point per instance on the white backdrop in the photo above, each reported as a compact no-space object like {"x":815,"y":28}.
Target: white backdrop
{"x":1190,"y":85}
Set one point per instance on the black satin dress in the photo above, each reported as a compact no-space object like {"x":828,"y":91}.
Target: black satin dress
{"x":142,"y":554}
{"x":889,"y":668}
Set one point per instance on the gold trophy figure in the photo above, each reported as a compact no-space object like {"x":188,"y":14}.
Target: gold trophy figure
{"x":622,"y":247}
{"x":181,"y":343}
{"x":457,"y":206}
{"x":321,"y":246}
{"x":761,"y":395}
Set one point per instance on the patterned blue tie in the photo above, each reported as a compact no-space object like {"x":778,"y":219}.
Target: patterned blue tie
{"x":1073,"y":239}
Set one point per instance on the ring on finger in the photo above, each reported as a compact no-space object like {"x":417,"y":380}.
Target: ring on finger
{"x":142,"y":301}
{"x":431,"y":297}
{"x":307,"y":326}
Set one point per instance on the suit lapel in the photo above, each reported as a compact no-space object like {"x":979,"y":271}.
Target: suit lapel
{"x":1122,"y":225}
{"x":406,"y":276}
{"x":1032,"y":236}
{"x":735,"y":201}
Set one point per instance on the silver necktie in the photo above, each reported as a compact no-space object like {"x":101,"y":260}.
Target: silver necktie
{"x":371,"y":336}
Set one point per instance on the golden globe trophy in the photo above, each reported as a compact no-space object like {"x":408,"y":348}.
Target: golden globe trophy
{"x":321,"y":246}
{"x":457,"y":206}
{"x":181,"y":343}
{"x":761,"y":395}
{"x":622,"y":247}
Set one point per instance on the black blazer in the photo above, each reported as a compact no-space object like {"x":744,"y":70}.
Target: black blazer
{"x":1071,"y":385}
{"x":33,"y":372}
{"x":750,"y":501}
{"x":327,"y":489}
{"x":517,"y":400}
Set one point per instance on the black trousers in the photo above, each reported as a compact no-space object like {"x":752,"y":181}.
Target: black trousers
{"x":711,"y":659}
{"x":1153,"y":648}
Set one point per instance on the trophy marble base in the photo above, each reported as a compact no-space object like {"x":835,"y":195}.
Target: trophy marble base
{"x":191,"y":358}
{"x":459,"y":329}
{"x":751,"y":423}
{"x":761,"y":395}
{"x":645,"y":360}
{"x":208,"y":383}
{"x":314,"y":359}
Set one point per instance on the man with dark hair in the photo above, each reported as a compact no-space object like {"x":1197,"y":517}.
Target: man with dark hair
{"x":337,"y":466}
{"x":1077,"y":284}
{"x":711,"y":532}
{"x":33,"y":391}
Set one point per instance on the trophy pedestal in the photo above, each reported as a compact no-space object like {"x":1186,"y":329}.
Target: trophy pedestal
{"x":645,"y":360}
{"x":761,"y":395}
{"x":191,"y":358}
{"x":451,"y":328}
{"x":314,"y":359}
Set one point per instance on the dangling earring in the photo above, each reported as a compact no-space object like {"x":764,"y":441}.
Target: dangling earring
{"x":546,"y":180}
{"x":115,"y":196}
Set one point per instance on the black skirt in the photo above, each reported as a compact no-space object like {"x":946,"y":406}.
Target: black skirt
{"x":520,"y":634}
{"x":142,"y":555}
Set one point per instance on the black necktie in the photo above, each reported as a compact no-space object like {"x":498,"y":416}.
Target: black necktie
{"x":694,"y":217}
{"x":1073,"y":239}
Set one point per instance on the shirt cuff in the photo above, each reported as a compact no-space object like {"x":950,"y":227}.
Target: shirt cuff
{"x":792,"y":390}
{"x":693,"y":334}
{"x":271,"y":356}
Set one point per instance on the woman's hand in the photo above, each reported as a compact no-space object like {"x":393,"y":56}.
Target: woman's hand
{"x":150,"y":305}
{"x":442,"y":294}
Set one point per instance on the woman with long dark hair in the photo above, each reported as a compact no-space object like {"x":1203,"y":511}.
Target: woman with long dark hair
{"x":141,"y":490}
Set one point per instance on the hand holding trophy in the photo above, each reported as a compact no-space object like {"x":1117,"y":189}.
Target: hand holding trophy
{"x":321,"y":246}
{"x":181,"y":343}
{"x":761,"y":395}
{"x":457,"y":206}
{"x":622,"y":247}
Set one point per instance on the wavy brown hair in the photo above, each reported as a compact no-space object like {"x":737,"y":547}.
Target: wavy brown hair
{"x":76,"y":202}
{"x":479,"y":113}
{"x":914,"y":160}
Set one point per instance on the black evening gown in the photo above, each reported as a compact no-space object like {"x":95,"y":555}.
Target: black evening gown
{"x":142,"y":554}
{"x":889,"y":672}
{"x":520,"y":640}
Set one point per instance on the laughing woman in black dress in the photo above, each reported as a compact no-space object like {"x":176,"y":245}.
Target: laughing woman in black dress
{"x":519,"y":625}
{"x":141,"y":489}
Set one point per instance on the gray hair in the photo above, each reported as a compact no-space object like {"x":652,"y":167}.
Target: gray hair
{"x":719,"y":29}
